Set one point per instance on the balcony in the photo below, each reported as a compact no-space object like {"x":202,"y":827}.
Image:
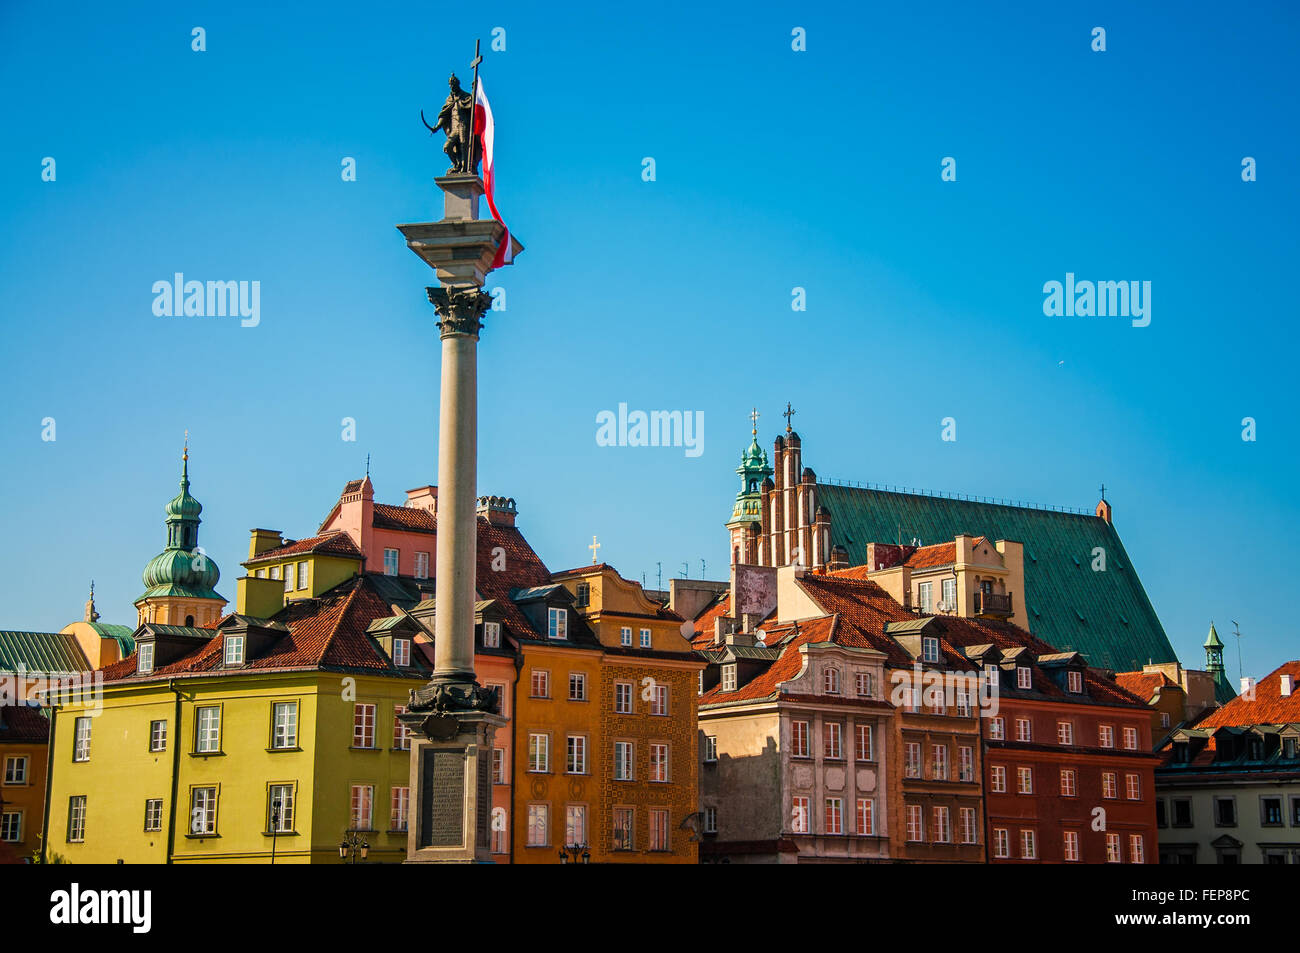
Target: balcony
{"x":993,"y":604}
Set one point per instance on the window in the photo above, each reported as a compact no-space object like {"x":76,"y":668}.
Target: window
{"x":729,"y":677}
{"x":363,"y":726}
{"x":949,"y":603}
{"x":1109,"y":785}
{"x":288,"y":577}
{"x":997,"y":728}
{"x":930,"y":649}
{"x":624,"y":820}
{"x":799,"y":810}
{"x":302,"y":575}
{"x":275,"y":572}
{"x":1182,"y":811}
{"x":966,"y":763}
{"x":1025,"y":780}
{"x":575,"y":825}
{"x":866,"y":816}
{"x":911,"y":698}
{"x":1069,"y":783}
{"x":284,"y":725}
{"x":624,"y":753}
{"x":401,"y":652}
{"x":363,"y":801}
{"x":710,"y":747}
{"x":1225,"y":811}
{"x":625,"y":636}
{"x":1001,"y":842}
{"x":1024,"y":679}
{"x":834,"y":815}
{"x":658,"y":829}
{"x":659,"y":700}
{"x":539,"y":751}
{"x":1106,"y":736}
{"x":924,"y":597}
{"x":144,"y":658}
{"x":1133,"y":786}
{"x":1065,"y":732}
{"x":1075,"y":681}
{"x":203,"y":811}
{"x":207,"y":737}
{"x":659,"y":762}
{"x":645,"y":639}
{"x":832,"y":744}
{"x":502,"y":698}
{"x":963,"y":703}
{"x":1113,"y":855}
{"x":279,"y":808}
{"x":557,"y":623}
{"x":399,"y":809}
{"x":864,"y":750}
{"x":1270,"y":811}
{"x":966,"y":816}
{"x":1024,"y":730}
{"x":576,"y":762}
{"x":498,"y":765}
{"x":577,"y":687}
{"x":421,"y":565}
{"x":540,"y":684}
{"x":912,"y":761}
{"x":401,"y":733}
{"x":539,"y":825}
{"x":942,"y":829}
{"x":81,"y":739}
{"x":915,"y":823}
{"x":623,"y":698}
{"x":799,"y":739}
{"x":11,"y":826}
{"x":1164,"y":720}
{"x":1071,"y":845}
{"x":16,"y":769}
{"x":234,"y":650}
{"x":864,"y":685}
{"x":77,"y":819}
{"x":710,"y":820}
{"x":998,"y":779}
{"x":1161,"y":819}
{"x":1136,"y":849}
{"x":492,"y":635}
{"x":831,"y":680}
{"x":582,"y":598}
{"x":1131,"y":739}
{"x":390,"y":562}
{"x":939,"y":762}
{"x":153,"y":814}
{"x":1028,"y":845}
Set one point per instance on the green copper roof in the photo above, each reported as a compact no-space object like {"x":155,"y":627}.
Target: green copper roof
{"x":182,"y":569}
{"x":1212,"y":640}
{"x":124,"y":635}
{"x":1104,"y":615}
{"x":41,"y":652}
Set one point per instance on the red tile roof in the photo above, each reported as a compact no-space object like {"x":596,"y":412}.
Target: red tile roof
{"x":1268,"y":707}
{"x":329,"y":544}
{"x":24,"y":724}
{"x":852,"y":572}
{"x":927,"y":557}
{"x":1143,"y":684}
{"x":409,"y":518}
{"x":704,"y":627}
{"x":786,"y":667}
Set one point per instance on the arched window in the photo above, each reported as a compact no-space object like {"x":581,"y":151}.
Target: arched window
{"x":189,"y":620}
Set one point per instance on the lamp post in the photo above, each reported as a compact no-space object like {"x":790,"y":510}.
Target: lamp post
{"x":353,"y":846}
{"x":575,"y":853}
{"x":275,"y":826}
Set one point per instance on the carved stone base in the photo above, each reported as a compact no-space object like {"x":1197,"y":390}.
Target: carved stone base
{"x":451,"y":788}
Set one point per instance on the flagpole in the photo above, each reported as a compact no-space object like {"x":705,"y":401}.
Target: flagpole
{"x":475,"y":136}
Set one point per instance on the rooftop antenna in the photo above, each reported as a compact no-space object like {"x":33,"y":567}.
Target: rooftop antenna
{"x":703,"y":568}
{"x":1237,"y":632}
{"x":367,"y":464}
{"x":686,"y":570}
{"x":660,"y":583}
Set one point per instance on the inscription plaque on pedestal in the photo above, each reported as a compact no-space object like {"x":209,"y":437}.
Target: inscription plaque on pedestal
{"x":444,"y":806}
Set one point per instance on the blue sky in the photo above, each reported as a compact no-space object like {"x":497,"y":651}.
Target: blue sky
{"x":774,"y":169}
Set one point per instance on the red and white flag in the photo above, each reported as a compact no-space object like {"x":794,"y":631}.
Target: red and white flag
{"x":484,"y":128}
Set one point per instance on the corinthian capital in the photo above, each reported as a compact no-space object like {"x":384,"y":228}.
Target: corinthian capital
{"x":460,"y":310}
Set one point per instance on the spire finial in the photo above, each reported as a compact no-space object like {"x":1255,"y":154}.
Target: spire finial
{"x":789,"y":412}
{"x":593,"y":547}
{"x":91,"y":614}
{"x":185,"y":459}
{"x":753,"y":418}
{"x":1103,"y":492}
{"x":367,"y":464}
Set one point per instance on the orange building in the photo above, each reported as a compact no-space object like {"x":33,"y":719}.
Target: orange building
{"x":24,"y":748}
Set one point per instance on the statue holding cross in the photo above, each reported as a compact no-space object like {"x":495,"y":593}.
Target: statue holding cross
{"x":456,"y":119}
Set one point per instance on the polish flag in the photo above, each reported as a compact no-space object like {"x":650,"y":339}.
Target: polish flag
{"x":484,"y":129}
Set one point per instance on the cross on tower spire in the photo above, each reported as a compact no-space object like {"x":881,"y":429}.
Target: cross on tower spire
{"x":593,"y":547}
{"x":1103,"y":491}
{"x":753,"y":418}
{"x":789,"y":412}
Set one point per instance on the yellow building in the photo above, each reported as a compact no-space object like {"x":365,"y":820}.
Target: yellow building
{"x":646,"y":712}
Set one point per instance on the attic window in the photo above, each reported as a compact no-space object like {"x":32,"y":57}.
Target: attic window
{"x":729,"y":677}
{"x":1024,"y":677}
{"x":930,"y":649}
{"x":492,"y":635}
{"x":583,"y":595}
{"x":234,"y":650}
{"x":144,"y":662}
{"x":401,"y":652}
{"x":557,"y":623}
{"x":1076,"y":682}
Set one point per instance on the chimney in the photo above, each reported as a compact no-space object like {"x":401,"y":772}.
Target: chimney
{"x":497,"y":510}
{"x":746,"y":622}
{"x":263,"y":540}
{"x":1247,"y":687}
{"x":423,"y":497}
{"x":1284,"y":685}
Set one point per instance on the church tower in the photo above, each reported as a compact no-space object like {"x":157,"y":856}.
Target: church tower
{"x":1223,"y":692}
{"x":745,"y":525}
{"x":180,"y":582}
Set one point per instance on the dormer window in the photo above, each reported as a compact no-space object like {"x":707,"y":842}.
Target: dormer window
{"x":1024,"y":677}
{"x":557,"y":623}
{"x":831,"y":681}
{"x":583,"y":598}
{"x":234,"y":650}
{"x":401,"y":652}
{"x":729,"y":677}
{"x":1076,"y":682}
{"x":144,"y":661}
{"x":930,"y":649}
{"x":492,"y":635}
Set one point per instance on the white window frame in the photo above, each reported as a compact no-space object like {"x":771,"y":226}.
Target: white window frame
{"x":144,"y":658}
{"x":492,"y":635}
{"x":539,"y":752}
{"x":929,"y":648}
{"x":364,"y":717}
{"x":302,"y":574}
{"x":399,"y":808}
{"x":401,"y":652}
{"x":925,"y":596}
{"x":557,"y":623}
{"x":203,"y":810}
{"x":624,"y":761}
{"x":81,"y":739}
{"x":287,"y":807}
{"x":647,"y":639}
{"x":153,"y":813}
{"x":622,"y":698}
{"x":578,"y":681}
{"x":284,"y":731}
{"x":659,"y":763}
{"x":575,"y":754}
{"x":1075,"y":680}
{"x":207,"y":729}
{"x":1071,"y":846}
{"x":1024,"y":677}
{"x":392,"y":562}
{"x":233,"y":650}
{"x":421,"y":565}
{"x":361,"y":807}
{"x":625,"y":636}
{"x":15,"y":769}
{"x":77,"y":819}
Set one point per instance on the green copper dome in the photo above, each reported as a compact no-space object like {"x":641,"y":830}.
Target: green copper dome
{"x":752,"y":471}
{"x":182,"y":569}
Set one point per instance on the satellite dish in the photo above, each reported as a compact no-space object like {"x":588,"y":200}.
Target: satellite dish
{"x":688,"y":629}
{"x":760,"y":637}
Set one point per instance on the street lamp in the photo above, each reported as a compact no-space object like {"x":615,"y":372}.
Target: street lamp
{"x":573,"y":853}
{"x":275,"y":826}
{"x":353,"y":846}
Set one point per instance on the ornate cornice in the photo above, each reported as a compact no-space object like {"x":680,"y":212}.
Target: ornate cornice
{"x":460,"y":310}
